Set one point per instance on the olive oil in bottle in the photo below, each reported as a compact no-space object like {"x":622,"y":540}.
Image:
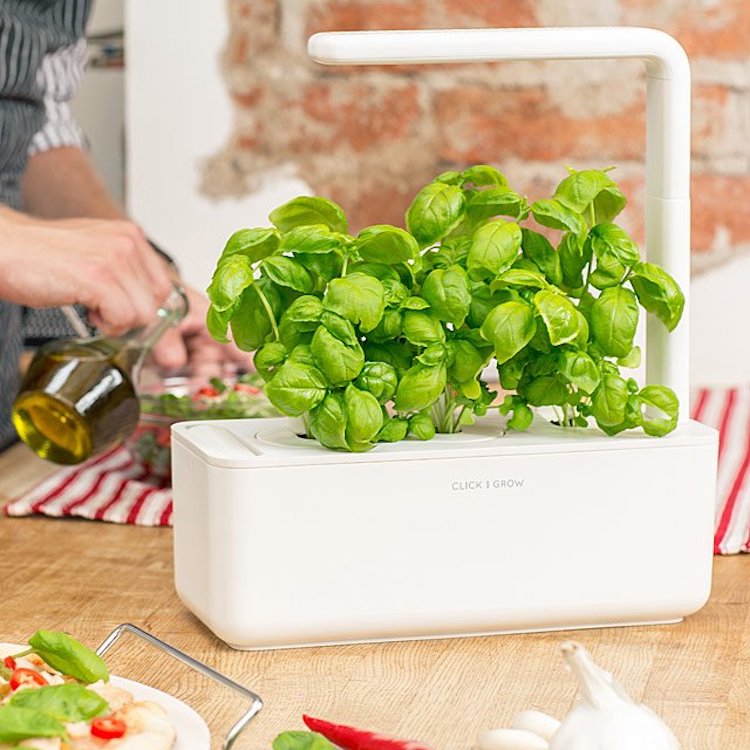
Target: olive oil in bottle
{"x":79,"y":398}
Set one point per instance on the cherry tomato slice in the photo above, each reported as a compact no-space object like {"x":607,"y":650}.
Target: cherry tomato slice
{"x":10,"y":662}
{"x":107,"y":727}
{"x":245,"y":388}
{"x":23,"y":676}
{"x":208,"y":392}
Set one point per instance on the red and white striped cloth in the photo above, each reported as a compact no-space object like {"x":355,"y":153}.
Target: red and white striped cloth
{"x":728,"y":410}
{"x":111,"y":487}
{"x":114,"y":488}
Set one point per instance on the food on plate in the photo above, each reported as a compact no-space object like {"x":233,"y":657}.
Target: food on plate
{"x":55,"y":694}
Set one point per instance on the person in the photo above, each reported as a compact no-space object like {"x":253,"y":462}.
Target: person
{"x":63,"y":238}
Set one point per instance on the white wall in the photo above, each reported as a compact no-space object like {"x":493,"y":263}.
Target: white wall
{"x":178,"y":113}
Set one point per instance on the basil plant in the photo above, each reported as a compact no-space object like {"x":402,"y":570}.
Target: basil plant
{"x":383,"y":335}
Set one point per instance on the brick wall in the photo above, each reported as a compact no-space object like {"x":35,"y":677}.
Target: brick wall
{"x":369,"y":137}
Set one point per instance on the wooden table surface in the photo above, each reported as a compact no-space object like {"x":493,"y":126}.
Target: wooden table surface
{"x":86,"y":577}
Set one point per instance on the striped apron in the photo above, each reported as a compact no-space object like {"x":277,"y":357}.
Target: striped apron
{"x":30,"y":31}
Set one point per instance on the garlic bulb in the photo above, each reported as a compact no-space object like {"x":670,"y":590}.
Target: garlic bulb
{"x":511,"y":739}
{"x":606,"y":718}
{"x":537,"y":722}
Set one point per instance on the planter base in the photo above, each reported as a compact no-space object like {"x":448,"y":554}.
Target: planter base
{"x":280,"y":543}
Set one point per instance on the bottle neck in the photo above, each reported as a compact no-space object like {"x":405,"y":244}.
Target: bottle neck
{"x":139,"y":342}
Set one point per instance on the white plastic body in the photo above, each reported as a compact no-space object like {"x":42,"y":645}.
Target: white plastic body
{"x":280,"y":542}
{"x":668,"y":131}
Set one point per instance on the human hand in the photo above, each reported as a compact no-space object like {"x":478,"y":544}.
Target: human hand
{"x":191,"y":344}
{"x":105,"y":265}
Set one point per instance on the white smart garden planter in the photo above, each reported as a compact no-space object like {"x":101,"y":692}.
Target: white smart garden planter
{"x":279,"y":542}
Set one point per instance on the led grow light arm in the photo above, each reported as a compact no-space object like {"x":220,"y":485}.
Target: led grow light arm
{"x":668,"y":130}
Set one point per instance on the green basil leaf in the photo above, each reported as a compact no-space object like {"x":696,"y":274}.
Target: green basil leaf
{"x":449,"y":178}
{"x":467,"y":361}
{"x":288,"y":272}
{"x":538,"y":248}
{"x":231,"y":277}
{"x":574,"y":257}
{"x":305,"y":210}
{"x":553,"y":214}
{"x":434,"y":355}
{"x":484,"y":300}
{"x":390,"y":327}
{"x":18,"y":724}
{"x":521,"y":419}
{"x":609,"y":401}
{"x":434,"y":212}
{"x":592,"y":186}
{"x":422,"y":328}
{"x":296,"y":388}
{"x":305,"y":309}
{"x":609,"y":272}
{"x":251,"y":324}
{"x":512,"y":371}
{"x":268,"y":358}
{"x":386,"y":244}
{"x":395,"y":353}
{"x":393,"y":431}
{"x":340,"y":327}
{"x":302,"y":741}
{"x":559,"y":315}
{"x":497,"y":201}
{"x":484,"y":174}
{"x":312,"y":240}
{"x":608,"y":204}
{"x":217,"y":323}
{"x":254,"y":244}
{"x":327,"y":266}
{"x":447,"y":292}
{"x":494,"y":248}
{"x":421,"y":426}
{"x":379,"y":270}
{"x":395,"y":292}
{"x":68,"y":656}
{"x":364,"y":417}
{"x":609,"y":239}
{"x":301,"y":353}
{"x":64,"y":703}
{"x":357,"y":297}
{"x":659,"y":410}
{"x":378,"y":378}
{"x":580,"y":370}
{"x":509,"y":327}
{"x":659,"y":293}
{"x":328,"y":422}
{"x":338,"y":362}
{"x":614,"y":319}
{"x":420,"y":387}
{"x":519,"y":277}
{"x":415,"y":303}
{"x":632,"y":359}
{"x":548,"y":390}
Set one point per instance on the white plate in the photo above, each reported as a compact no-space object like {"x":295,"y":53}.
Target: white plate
{"x":192,"y":731}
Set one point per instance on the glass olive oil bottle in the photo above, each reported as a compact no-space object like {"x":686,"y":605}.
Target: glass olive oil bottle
{"x":78,"y":398}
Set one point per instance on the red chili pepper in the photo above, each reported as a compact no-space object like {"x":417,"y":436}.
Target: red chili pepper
{"x":23,"y":676}
{"x":108,"y":727}
{"x":349,"y":738}
{"x":208,"y":392}
{"x":9,"y":662}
